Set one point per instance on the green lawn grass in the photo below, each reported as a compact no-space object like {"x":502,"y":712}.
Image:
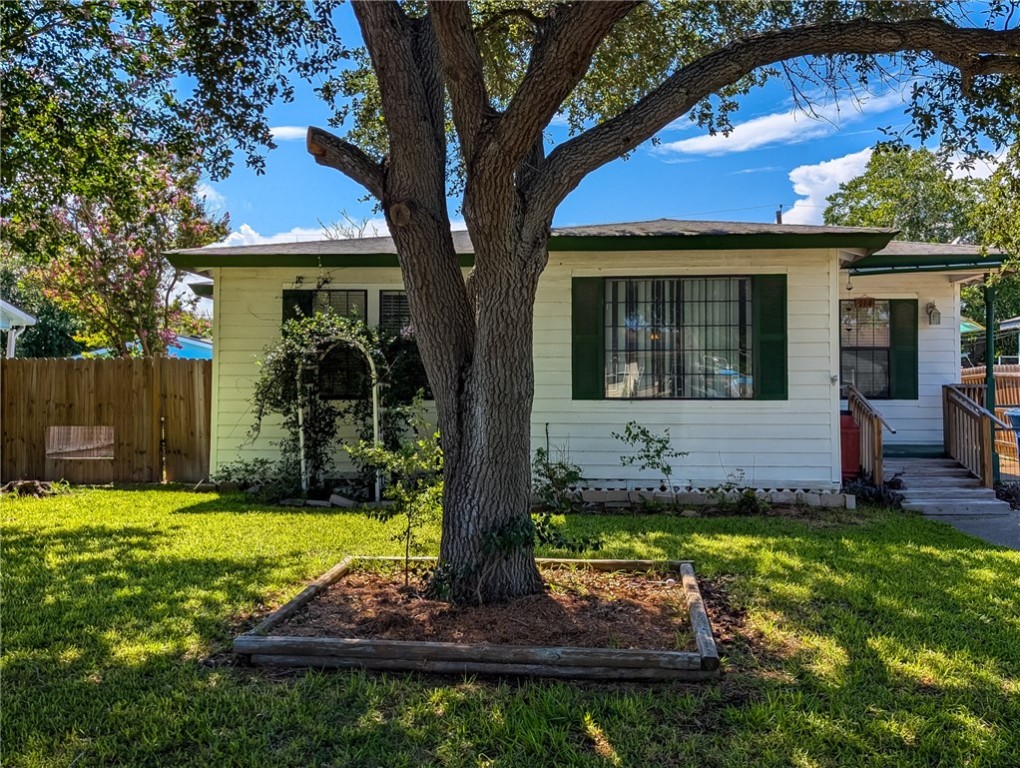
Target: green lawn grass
{"x":886,"y":640}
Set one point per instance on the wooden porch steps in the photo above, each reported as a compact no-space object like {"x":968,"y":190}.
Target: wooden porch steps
{"x":942,"y":487}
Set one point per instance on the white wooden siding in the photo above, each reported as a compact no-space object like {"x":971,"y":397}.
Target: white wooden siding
{"x":773,"y":444}
{"x":919,"y":422}
{"x":248,"y":311}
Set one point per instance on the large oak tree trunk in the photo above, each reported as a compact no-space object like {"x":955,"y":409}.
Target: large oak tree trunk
{"x":482,"y":374}
{"x":487,"y":532}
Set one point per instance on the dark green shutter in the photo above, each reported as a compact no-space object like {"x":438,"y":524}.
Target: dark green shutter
{"x":903,"y":349}
{"x":768,"y":300}
{"x":587,"y":344}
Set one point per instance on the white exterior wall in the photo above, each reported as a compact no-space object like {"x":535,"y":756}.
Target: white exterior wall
{"x":919,"y":422}
{"x":791,"y":443}
{"x":247,"y":313}
{"x":775,"y":444}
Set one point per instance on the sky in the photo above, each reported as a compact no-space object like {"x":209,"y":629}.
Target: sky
{"x":774,"y":157}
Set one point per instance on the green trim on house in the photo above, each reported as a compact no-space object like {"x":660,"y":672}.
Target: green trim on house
{"x":903,"y":349}
{"x":209,"y":258}
{"x":213,"y":260}
{"x":934,"y":263}
{"x":769,"y":333}
{"x":587,"y":340}
{"x":914,"y":451}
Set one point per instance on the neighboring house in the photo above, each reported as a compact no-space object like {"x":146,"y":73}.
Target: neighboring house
{"x":735,"y":336}
{"x":190,"y":348}
{"x":15,"y":321}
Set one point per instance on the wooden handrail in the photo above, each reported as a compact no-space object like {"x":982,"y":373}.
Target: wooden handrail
{"x":968,"y":430}
{"x":870,"y":422}
{"x":870,"y":408}
{"x":976,"y":408}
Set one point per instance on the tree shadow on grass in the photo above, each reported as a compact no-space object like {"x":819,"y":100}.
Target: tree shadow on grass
{"x":241,"y":503}
{"x":895,"y":636}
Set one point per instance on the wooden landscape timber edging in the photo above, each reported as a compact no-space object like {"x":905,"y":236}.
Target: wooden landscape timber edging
{"x":257,"y":647}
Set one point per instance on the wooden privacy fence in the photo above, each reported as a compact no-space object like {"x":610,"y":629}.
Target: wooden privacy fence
{"x":1007,"y":396}
{"x":105,"y":421}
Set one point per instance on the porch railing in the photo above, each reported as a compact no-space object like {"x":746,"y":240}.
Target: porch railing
{"x":1007,"y":396}
{"x":871,"y":423}
{"x":968,"y":431}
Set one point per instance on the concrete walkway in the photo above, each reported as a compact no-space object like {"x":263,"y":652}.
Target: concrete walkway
{"x":1003,"y":530}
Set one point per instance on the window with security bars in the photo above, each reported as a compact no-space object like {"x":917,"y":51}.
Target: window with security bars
{"x":395,"y":322}
{"x":865,"y":345}
{"x":343,"y":374}
{"x":688,"y":337}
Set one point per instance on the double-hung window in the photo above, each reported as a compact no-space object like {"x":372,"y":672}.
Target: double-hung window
{"x":878,"y":347}
{"x":343,"y":374}
{"x":705,"y":338}
{"x":395,"y":323}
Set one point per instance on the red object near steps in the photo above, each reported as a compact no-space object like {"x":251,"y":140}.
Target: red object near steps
{"x":850,"y":446}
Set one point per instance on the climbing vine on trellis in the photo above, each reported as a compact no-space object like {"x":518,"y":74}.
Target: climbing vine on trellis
{"x":289,"y":385}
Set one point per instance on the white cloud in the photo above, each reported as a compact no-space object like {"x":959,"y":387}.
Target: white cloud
{"x":214,"y":200}
{"x":813,"y":183}
{"x":247,"y":235}
{"x":288,"y":132}
{"x":790,"y":127}
{"x":980,"y":169}
{"x":763,"y":169}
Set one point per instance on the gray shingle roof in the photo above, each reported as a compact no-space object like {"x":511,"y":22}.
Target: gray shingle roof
{"x":462,"y":242}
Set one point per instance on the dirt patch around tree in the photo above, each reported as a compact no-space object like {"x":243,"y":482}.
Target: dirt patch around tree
{"x":579,"y":608}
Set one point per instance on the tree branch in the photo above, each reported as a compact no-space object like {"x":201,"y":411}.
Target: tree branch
{"x":560,"y":58}
{"x":982,"y":50}
{"x":528,"y":15}
{"x":334,"y":152}
{"x":462,"y":68}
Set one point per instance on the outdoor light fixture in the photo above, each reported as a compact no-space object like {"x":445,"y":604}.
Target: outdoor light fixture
{"x":934,"y":316}
{"x":849,"y":282}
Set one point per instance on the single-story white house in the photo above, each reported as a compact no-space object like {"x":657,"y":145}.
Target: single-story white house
{"x":735,"y":336}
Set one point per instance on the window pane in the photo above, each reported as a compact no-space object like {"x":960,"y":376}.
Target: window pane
{"x":394,"y":311}
{"x":868,"y":370}
{"x":864,"y":346}
{"x":407,"y":372}
{"x":678,"y":338}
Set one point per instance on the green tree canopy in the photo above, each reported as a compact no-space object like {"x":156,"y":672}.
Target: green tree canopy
{"x":912,"y":190}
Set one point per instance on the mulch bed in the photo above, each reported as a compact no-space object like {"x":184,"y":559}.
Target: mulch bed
{"x":579,"y":608}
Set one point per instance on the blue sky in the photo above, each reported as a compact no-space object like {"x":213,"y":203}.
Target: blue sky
{"x":774,"y":156}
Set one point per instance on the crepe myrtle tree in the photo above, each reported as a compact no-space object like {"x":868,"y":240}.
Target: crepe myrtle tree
{"x":621,"y":72}
{"x":455,"y":97}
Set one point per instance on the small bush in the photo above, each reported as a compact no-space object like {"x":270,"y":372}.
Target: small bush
{"x":867,"y":492}
{"x":265,"y":479}
{"x":556,"y":482}
{"x":653,"y":452}
{"x":414,"y":473}
{"x":1009,"y":492}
